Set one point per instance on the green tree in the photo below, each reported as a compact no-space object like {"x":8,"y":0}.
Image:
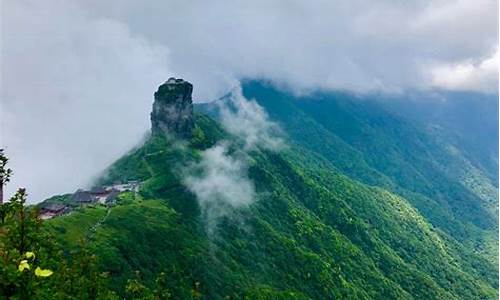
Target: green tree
{"x":33,"y":265}
{"x":4,"y":173}
{"x":22,"y":244}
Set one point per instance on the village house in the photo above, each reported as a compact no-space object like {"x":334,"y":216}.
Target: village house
{"x":99,"y":194}
{"x":96,"y":195}
{"x":53,"y":210}
{"x":82,"y":197}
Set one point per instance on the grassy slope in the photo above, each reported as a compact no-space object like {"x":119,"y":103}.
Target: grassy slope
{"x":313,"y":233}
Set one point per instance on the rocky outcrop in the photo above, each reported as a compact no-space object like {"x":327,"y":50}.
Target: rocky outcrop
{"x":173,"y":109}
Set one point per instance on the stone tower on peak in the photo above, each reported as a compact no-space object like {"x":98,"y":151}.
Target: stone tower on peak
{"x":173,"y":109}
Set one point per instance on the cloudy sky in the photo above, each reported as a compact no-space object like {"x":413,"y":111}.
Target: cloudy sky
{"x":77,"y":77}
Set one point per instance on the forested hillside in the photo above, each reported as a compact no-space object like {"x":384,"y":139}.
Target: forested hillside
{"x":441,"y":178}
{"x":357,"y":203}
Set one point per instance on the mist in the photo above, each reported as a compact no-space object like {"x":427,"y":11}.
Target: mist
{"x":249,"y":123}
{"x":77,"y":77}
{"x":220,"y":179}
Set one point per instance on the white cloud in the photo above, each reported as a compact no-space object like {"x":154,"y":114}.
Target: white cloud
{"x":220,"y":183}
{"x":78,"y":76}
{"x":357,"y":45}
{"x":249,"y":122}
{"x":76,"y":93}
{"x":468,"y":75}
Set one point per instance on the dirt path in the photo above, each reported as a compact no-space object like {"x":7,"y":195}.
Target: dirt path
{"x":93,"y":229}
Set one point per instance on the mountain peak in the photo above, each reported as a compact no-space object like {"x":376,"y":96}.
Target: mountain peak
{"x":173,"y":109}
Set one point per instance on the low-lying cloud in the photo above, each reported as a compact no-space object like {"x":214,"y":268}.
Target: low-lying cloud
{"x":220,"y":179}
{"x":220,"y":183}
{"x":248,"y":122}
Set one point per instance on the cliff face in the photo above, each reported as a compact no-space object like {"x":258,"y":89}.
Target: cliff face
{"x":173,"y":109}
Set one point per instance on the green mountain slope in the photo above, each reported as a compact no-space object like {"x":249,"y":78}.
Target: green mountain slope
{"x":376,"y":147}
{"x":319,"y":229}
{"x":470,"y":118}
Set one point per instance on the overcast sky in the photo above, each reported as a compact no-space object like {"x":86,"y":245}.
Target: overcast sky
{"x":77,"y":77}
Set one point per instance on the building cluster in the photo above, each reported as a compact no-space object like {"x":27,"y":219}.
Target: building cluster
{"x":53,"y":210}
{"x":103,"y":195}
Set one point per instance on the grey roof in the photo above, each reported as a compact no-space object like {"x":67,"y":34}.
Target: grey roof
{"x":98,"y":190}
{"x":112,"y":196}
{"x":82,"y":197}
{"x":53,"y":207}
